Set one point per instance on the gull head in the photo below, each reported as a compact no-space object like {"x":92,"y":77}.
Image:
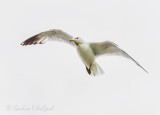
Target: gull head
{"x":77,"y":41}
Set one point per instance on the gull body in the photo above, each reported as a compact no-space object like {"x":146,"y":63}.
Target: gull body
{"x":88,"y":51}
{"x":86,"y":54}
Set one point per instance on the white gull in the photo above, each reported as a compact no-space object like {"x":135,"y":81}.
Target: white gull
{"x":87,"y":51}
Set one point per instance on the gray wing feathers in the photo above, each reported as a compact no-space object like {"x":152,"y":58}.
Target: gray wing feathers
{"x":50,"y":35}
{"x":108,"y":47}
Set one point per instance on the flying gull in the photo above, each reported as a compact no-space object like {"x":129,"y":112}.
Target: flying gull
{"x":87,"y":51}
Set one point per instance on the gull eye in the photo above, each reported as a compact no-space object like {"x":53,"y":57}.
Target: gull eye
{"x":77,"y":38}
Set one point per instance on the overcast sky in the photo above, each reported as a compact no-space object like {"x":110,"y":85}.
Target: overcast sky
{"x":52,"y":74}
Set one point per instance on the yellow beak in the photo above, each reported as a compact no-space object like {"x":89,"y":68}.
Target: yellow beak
{"x":72,"y":40}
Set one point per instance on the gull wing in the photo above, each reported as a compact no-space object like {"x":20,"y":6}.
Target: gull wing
{"x":50,"y":35}
{"x":108,"y":47}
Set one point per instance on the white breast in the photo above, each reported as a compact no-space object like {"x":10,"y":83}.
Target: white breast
{"x":86,"y":54}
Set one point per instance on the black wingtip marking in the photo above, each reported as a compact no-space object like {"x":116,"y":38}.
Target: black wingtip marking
{"x":31,"y":40}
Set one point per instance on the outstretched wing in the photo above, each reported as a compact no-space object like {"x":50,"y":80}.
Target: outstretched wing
{"x":50,"y":35}
{"x":108,"y":47}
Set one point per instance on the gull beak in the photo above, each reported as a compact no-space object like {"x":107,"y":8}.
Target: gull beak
{"x":72,"y":40}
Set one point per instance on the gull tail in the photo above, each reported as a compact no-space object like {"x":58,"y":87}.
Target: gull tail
{"x":96,"y":70}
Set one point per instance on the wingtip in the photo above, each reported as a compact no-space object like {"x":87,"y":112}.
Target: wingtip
{"x":147,"y":72}
{"x":22,"y":44}
{"x":144,"y":70}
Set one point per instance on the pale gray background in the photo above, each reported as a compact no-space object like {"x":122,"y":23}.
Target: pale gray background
{"x":52,"y":74}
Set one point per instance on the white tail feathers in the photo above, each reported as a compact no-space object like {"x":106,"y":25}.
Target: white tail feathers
{"x":96,"y":69}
